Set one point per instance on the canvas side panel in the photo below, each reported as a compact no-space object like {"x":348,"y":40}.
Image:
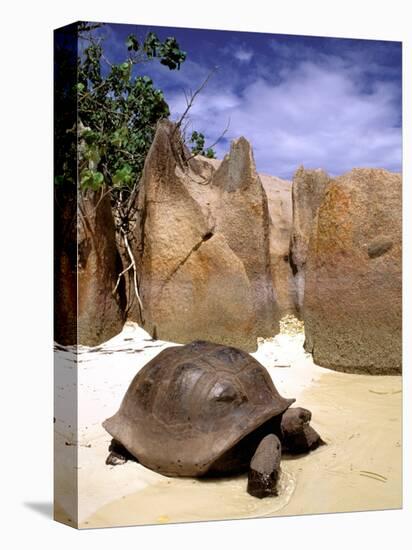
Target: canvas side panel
{"x":65,"y":276}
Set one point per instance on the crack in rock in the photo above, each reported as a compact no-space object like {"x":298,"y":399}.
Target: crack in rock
{"x":208,"y":235}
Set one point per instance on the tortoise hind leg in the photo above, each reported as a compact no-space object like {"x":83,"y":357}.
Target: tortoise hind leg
{"x":118,"y":454}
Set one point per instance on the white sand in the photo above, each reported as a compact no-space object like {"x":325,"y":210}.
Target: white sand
{"x":358,"y":416}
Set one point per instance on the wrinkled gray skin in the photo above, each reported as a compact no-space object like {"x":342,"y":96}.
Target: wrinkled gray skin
{"x":290,"y":433}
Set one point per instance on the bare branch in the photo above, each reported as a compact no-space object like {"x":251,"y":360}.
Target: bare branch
{"x":192,"y":97}
{"x":107,"y":61}
{"x":103,"y":195}
{"x":214,"y":143}
{"x":186,"y":96}
{"x":120,"y":276}
{"x":221,"y":135}
{"x":132,"y":266}
{"x":82,"y":97}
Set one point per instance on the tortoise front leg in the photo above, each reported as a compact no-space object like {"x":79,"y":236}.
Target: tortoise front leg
{"x":265,"y":468}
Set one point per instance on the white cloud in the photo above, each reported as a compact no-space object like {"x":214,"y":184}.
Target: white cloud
{"x":318,"y":115}
{"x":243,"y":55}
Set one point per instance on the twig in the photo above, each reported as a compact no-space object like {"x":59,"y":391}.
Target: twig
{"x":131,"y":200}
{"x":373,"y":475}
{"x":192,"y":98}
{"x":103,"y":195}
{"x":120,"y":276}
{"x":222,"y":134}
{"x":107,"y":61}
{"x":385,"y":392}
{"x":82,"y":97}
{"x":132,"y":265}
{"x":213,"y":144}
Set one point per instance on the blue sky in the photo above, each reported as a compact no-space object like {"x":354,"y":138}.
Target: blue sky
{"x":326,"y":103}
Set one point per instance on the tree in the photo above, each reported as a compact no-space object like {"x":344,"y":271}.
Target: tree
{"x":198,"y":147}
{"x":117,"y":111}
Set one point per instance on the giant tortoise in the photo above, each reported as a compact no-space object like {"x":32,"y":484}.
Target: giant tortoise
{"x":208,"y":409}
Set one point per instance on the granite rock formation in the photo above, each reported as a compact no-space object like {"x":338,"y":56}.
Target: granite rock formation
{"x":100,"y":309}
{"x":87,"y":310}
{"x":202,"y":244}
{"x":308,"y":190}
{"x":279,"y":195}
{"x":353,"y":281}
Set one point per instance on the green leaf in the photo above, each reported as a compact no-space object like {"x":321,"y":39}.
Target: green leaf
{"x":125,"y":70}
{"x":120,"y":137}
{"x":98,"y":179}
{"x":91,"y":180}
{"x":89,"y":136}
{"x":132,"y":43}
{"x":118,"y":114}
{"x":151,"y":44}
{"x":92,"y":153}
{"x":123,"y":176}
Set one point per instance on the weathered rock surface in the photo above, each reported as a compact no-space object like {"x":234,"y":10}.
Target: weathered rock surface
{"x":279,"y":198}
{"x":87,"y":265}
{"x":100,"y":311}
{"x":240,"y":208}
{"x":353,"y":287}
{"x":279,"y":195}
{"x":203,"y":246}
{"x":308,"y":190}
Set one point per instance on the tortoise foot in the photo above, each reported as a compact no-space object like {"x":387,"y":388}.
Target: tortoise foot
{"x":118,"y":454}
{"x":265,"y":468}
{"x":114,"y":459}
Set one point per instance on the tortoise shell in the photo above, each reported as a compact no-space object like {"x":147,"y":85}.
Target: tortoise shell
{"x":192,"y":404}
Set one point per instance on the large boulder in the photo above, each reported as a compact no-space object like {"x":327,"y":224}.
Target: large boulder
{"x":279,"y":199}
{"x":100,"y":306}
{"x":202,"y":244}
{"x":240,"y":208}
{"x":308,"y":189}
{"x":353,"y":287}
{"x":87,"y":264}
{"x":279,"y":195}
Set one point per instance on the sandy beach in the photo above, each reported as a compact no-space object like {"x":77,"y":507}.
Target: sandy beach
{"x":358,"y":416}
